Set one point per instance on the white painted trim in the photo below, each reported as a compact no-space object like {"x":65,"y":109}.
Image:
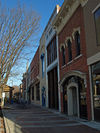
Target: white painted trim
{"x":68,"y":38}
{"x":93,"y":59}
{"x":96,"y":8}
{"x":58,"y":75}
{"x":91,"y":93}
{"x":74,"y":31}
{"x":68,"y":88}
{"x":70,"y":62}
{"x":77,"y":57}
{"x":51,"y":66}
{"x":62,"y":67}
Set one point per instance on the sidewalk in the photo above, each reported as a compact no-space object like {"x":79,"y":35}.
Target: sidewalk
{"x":91,"y":124}
{"x":2,"y":130}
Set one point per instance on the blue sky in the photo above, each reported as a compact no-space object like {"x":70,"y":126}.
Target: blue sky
{"x":44,"y":9}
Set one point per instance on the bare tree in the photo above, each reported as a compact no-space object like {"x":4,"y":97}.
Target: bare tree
{"x":17,"y":26}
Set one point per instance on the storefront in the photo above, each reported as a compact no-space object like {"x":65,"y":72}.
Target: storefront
{"x":95,"y":69}
{"x":74,"y":100}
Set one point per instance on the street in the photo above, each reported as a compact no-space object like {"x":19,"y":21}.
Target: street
{"x":34,"y":119}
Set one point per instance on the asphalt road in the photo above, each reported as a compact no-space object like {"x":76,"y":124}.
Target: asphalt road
{"x":35,"y":119}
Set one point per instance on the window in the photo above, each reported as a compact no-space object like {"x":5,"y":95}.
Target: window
{"x":77,"y":43}
{"x":97,"y":24}
{"x":95,"y":69}
{"x":69,"y":50}
{"x":50,"y":31}
{"x":46,"y":37}
{"x":38,"y":91}
{"x":43,"y":65}
{"x":52,"y":51}
{"x":63,"y":55}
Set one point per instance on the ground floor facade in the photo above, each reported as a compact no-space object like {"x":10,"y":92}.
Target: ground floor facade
{"x":43,"y":97}
{"x":94,"y":73}
{"x":74,"y":97}
{"x":34,"y":93}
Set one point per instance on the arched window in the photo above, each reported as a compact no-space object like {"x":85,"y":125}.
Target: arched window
{"x":69,"y":50}
{"x":77,"y":43}
{"x":63,"y":55}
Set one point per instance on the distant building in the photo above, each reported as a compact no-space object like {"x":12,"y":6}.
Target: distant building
{"x":35,"y":79}
{"x":28,"y":83}
{"x":16,"y":93}
{"x":8,"y":90}
{"x":24,"y":87}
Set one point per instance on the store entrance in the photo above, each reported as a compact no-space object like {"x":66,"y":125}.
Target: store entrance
{"x":96,"y":90}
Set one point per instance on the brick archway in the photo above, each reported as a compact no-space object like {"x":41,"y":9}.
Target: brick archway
{"x":73,"y":73}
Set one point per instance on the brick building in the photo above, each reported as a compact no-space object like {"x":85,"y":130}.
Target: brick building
{"x":74,"y":78}
{"x":35,"y":82}
{"x":92,"y":30}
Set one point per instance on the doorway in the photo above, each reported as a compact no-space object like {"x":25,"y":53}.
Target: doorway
{"x":53,"y":89}
{"x":72,"y":101}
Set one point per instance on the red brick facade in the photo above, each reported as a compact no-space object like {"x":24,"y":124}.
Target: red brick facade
{"x":24,"y":83}
{"x":77,"y":64}
{"x":35,"y":66}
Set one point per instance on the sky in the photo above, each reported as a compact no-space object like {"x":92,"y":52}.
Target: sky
{"x":44,"y":8}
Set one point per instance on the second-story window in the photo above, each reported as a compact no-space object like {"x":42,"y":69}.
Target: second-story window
{"x":69,"y":50}
{"x":52,"y":51}
{"x":63,"y":55}
{"x":77,"y":43}
{"x":97,"y":24}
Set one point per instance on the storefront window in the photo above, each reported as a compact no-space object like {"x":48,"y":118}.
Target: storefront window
{"x":96,"y":90}
{"x":97,"y":24}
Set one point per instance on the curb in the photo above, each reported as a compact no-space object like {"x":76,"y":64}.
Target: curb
{"x":7,"y":130}
{"x":2,"y":124}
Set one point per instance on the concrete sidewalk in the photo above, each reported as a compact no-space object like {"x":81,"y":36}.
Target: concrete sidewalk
{"x":92,"y":124}
{"x":42,"y":120}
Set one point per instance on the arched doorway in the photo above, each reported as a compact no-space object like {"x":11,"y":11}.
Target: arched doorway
{"x":73,"y":99}
{"x":74,"y":95}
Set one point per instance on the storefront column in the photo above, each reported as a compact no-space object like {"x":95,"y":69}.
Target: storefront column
{"x":91,"y":93}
